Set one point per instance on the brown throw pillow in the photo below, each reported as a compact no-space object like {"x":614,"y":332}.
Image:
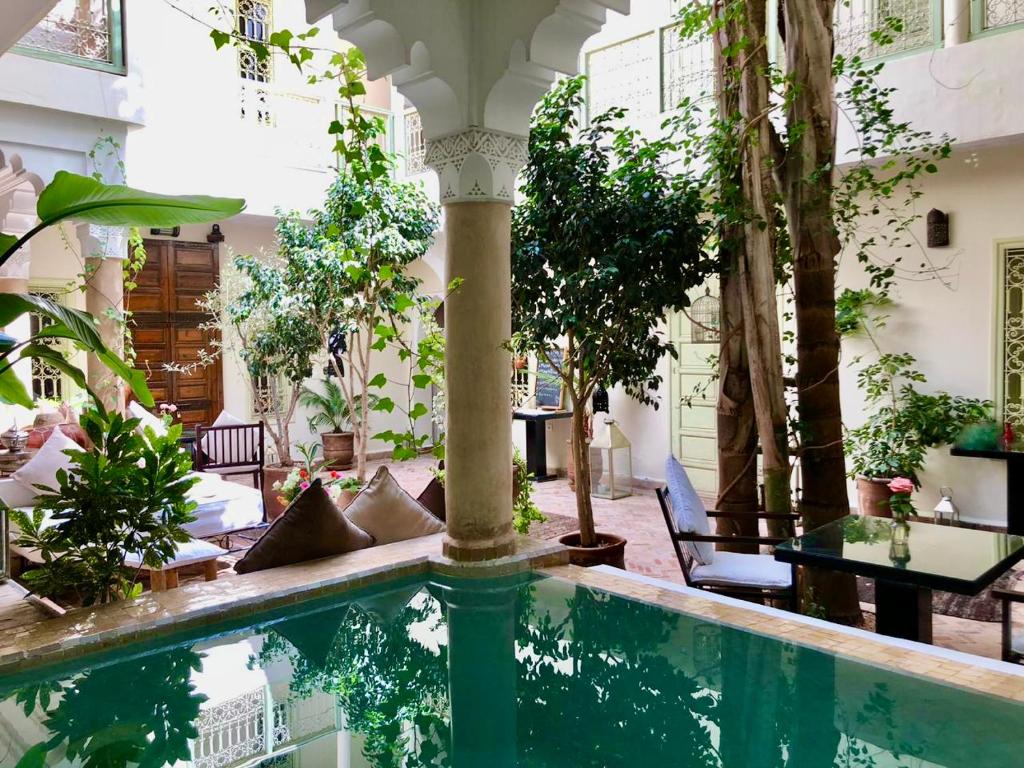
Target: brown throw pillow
{"x":432,"y":497}
{"x":310,"y":528}
{"x":388,"y":513}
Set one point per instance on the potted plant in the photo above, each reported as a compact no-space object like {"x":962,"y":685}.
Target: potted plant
{"x":902,"y":423}
{"x":128,"y":494}
{"x":331,"y":410}
{"x":606,"y":241}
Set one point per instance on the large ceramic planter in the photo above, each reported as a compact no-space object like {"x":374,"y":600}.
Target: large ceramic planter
{"x":610,"y":550}
{"x":338,"y":449}
{"x":274,"y":473}
{"x":873,"y":496}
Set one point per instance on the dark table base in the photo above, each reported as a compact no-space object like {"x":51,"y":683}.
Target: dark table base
{"x":903,"y":610}
{"x":537,"y":452}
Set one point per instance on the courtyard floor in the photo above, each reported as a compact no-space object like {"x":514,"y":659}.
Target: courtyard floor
{"x":638,"y":518}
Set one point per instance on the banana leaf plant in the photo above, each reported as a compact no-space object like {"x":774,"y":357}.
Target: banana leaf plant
{"x":85,"y":199}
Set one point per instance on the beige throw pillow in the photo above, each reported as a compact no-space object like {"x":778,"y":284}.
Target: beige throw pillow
{"x":388,"y":513}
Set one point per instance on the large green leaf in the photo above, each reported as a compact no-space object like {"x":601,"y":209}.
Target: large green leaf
{"x":135,"y":378}
{"x":85,"y":199}
{"x":13,"y":391}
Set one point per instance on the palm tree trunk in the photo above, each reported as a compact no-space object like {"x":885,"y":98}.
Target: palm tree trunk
{"x":808,"y":172}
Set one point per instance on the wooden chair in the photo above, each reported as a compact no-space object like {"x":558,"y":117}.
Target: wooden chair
{"x":231,"y":450}
{"x":1013,"y":648}
{"x":745,"y":576}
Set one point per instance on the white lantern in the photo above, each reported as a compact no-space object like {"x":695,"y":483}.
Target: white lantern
{"x":946,"y":512}
{"x":611,"y":461}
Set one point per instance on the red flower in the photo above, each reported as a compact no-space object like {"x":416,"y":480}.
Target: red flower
{"x":335,"y":474}
{"x":303,"y":473}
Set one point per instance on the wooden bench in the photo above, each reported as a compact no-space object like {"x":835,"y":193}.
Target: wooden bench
{"x":191,"y":552}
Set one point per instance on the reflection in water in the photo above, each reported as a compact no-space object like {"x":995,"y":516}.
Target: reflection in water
{"x":494,"y":674}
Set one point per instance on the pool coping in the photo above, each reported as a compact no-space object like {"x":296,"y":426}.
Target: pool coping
{"x":977,"y":673}
{"x":53,"y":639}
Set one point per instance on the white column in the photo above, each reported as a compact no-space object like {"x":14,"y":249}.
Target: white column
{"x":477,"y":170}
{"x":104,"y":251}
{"x":956,"y":22}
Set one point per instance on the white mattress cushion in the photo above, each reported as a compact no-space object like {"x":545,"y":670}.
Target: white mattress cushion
{"x":185,"y":552}
{"x":42,"y":468}
{"x":223,"y":506}
{"x":688,"y":511}
{"x":736,"y":569}
{"x":147,"y":419}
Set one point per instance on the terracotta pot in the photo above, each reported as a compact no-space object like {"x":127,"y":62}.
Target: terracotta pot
{"x":273,"y":473}
{"x":873,"y":496}
{"x":338,"y":449}
{"x":345,"y":498}
{"x":610,"y":550}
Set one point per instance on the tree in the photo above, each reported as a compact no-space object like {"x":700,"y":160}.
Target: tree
{"x":352,"y":266}
{"x":606,"y":240}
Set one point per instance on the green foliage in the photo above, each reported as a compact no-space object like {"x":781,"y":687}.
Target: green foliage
{"x":129,"y":494}
{"x":525,"y":511}
{"x":140,"y":712}
{"x":67,"y":323}
{"x":605,"y":242}
{"x":903,"y":422}
{"x":87,"y":199}
{"x":330,"y":407}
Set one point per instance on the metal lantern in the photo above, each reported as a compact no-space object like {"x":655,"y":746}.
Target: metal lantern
{"x":611,"y":461}
{"x":946,"y":512}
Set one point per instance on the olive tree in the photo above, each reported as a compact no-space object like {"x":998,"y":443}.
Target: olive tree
{"x":606,"y":241}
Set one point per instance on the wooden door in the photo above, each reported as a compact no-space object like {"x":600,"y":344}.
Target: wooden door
{"x":166,"y":327}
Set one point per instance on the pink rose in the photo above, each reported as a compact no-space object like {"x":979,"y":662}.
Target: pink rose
{"x":304,"y":484}
{"x":901,"y":485}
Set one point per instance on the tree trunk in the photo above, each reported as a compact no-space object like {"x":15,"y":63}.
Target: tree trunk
{"x":811,"y":124}
{"x":737,"y":433}
{"x":581,"y":465}
{"x":757,"y":267}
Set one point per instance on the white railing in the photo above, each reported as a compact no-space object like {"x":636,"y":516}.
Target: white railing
{"x":83,"y":29}
{"x":1001,"y":13}
{"x":687,"y":69}
{"x":623,"y":75}
{"x":867,"y":27}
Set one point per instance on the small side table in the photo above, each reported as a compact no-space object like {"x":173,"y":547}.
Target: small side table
{"x":536,"y":439}
{"x":1014,"y":482}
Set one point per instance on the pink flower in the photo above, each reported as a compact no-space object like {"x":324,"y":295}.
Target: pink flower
{"x":901,"y":485}
{"x":172,"y":408}
{"x":304,"y":484}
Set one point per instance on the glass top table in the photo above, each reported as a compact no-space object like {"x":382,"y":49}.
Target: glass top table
{"x":960,"y":560}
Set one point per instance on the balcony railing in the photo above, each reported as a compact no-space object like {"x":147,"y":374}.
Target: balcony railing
{"x":995,"y":14}
{"x":687,"y":69}
{"x":82,"y":32}
{"x":876,"y":28}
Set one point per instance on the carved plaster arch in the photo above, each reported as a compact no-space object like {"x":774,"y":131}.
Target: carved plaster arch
{"x":474,"y":70}
{"x":19,"y":194}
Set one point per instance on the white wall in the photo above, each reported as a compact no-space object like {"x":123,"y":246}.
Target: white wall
{"x":951,"y":330}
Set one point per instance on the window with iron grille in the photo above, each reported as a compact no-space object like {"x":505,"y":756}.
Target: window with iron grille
{"x":415,"y":145}
{"x":705,"y":318}
{"x":254,"y":23}
{"x":85,"y":33}
{"x":624,"y":75}
{"x":47,"y":380}
{"x":267,"y":396}
{"x":1012,"y":326}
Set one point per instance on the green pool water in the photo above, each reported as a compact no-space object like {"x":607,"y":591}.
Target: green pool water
{"x":527,"y":672}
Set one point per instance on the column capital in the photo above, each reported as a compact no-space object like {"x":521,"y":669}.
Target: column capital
{"x":102,"y":242}
{"x":477,"y":165}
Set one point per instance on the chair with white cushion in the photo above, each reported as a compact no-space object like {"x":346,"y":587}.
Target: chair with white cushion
{"x":731,"y":573}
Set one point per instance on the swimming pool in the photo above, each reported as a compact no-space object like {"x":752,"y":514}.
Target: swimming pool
{"x":527,"y":671}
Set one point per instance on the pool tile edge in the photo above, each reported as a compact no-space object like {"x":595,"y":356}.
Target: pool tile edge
{"x":948,"y":667}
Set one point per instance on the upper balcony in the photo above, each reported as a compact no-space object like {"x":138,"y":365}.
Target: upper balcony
{"x":86,"y":33}
{"x":955,"y":64}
